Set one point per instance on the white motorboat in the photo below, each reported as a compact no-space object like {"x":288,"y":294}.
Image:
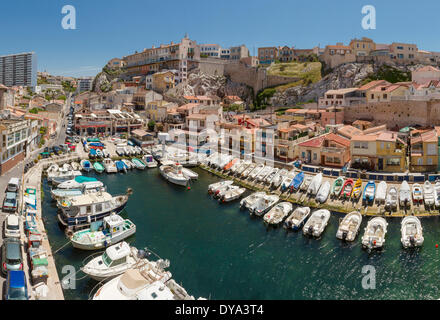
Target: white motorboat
{"x":417,"y":193}
{"x":109,"y":165}
{"x":405,"y":194}
{"x":317,"y":222}
{"x":242,"y":167}
{"x":224,"y":161}
{"x":277,"y":214}
{"x":306,"y":183}
{"x":235,"y":166}
{"x":256,"y":171}
{"x":412,"y":232}
{"x":99,"y":153}
{"x":428,"y":194}
{"x":127,"y":151}
{"x":114,"y":229}
{"x":248,"y":170}
{"x":391,"y":199}
{"x":437,"y":194}
{"x":297,"y":219}
{"x":323,"y":192}
{"x":190,"y":174}
{"x":263,"y":173}
{"x":67,"y":167}
{"x":61,"y":177}
{"x":288,"y":180}
{"x":250,"y":200}
{"x":53,"y":168}
{"x":105,"y":153}
{"x":75,"y":165}
{"x":120,"y":151}
{"x":174,"y":174}
{"x":232,"y":194}
{"x":381,"y":192}
{"x":221,"y":191}
{"x":349,"y":226}
{"x":149,"y":161}
{"x":271,"y":176}
{"x":314,"y":185}
{"x":375,"y":231}
{"x":86,"y":165}
{"x":212,"y":188}
{"x":264,"y":204}
{"x":128,"y":164}
{"x":279,"y":177}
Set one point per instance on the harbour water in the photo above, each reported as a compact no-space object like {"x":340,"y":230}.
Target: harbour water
{"x":219,"y":252}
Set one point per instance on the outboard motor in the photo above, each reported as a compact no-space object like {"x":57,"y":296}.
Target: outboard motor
{"x":412,"y":240}
{"x":344,"y":235}
{"x":310,"y":230}
{"x":141,"y":254}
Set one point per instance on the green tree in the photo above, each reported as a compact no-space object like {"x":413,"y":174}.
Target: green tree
{"x":151,"y":125}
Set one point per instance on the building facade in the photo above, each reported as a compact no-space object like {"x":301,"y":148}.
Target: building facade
{"x":19,"y":69}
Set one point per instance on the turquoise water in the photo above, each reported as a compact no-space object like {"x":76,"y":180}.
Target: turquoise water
{"x":219,"y":252}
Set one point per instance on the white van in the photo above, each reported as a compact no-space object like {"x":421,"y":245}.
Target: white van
{"x":14,"y":185}
{"x":12,"y":226}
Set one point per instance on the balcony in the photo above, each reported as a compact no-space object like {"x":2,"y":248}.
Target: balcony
{"x":332,"y":150}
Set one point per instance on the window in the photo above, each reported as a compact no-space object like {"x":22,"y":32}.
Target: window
{"x":430,"y":161}
{"x":393,"y":162}
{"x":420,"y":161}
{"x":315,"y":156}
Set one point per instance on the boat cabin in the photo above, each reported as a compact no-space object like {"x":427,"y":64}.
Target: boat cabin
{"x":116,"y":255}
{"x":88,"y":204}
{"x":114,"y":224}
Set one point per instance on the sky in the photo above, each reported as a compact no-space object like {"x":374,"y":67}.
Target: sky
{"x":114,"y":28}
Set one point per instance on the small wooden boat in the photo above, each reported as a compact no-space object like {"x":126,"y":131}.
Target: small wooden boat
{"x":369,"y":192}
{"x":357,"y":189}
{"x":297,"y":219}
{"x":323,"y":192}
{"x":404,"y":195}
{"x":412,"y":232}
{"x":428,"y":194}
{"x":138,"y":163}
{"x":297,"y":181}
{"x":317,"y":222}
{"x":347,"y":189}
{"x":337,"y":187}
{"x":391,"y":199}
{"x":417,"y":193}
{"x":349,"y":226}
{"x":277,"y":214}
{"x":120,"y":165}
{"x":98,"y":167}
{"x":381,"y":192}
{"x":375,"y":231}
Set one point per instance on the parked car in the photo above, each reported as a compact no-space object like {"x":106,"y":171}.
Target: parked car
{"x":16,"y":286}
{"x":11,"y":255}
{"x":56,"y":150}
{"x":10,"y":202}
{"x":13,"y":185}
{"x":12,"y":226}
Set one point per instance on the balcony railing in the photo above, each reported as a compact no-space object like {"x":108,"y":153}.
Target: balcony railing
{"x":332,"y":150}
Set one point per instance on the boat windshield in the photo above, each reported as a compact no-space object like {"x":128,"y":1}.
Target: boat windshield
{"x":106,"y":259}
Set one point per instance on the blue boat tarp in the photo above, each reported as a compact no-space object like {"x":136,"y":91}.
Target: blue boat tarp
{"x":81,"y":179}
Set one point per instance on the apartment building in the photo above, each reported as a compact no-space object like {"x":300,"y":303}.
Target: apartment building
{"x":239,"y":52}
{"x":210,"y":50}
{"x":13,"y":142}
{"x":335,"y":55}
{"x":286,"y":54}
{"x":19,"y":69}
{"x":362,"y":47}
{"x":163,"y":81}
{"x":424,"y":152}
{"x":85,"y":84}
{"x":181,"y":56}
{"x":267,"y":55}
{"x":157,"y":110}
{"x":341,"y":98}
{"x":386,"y":93}
{"x":403,"y":51}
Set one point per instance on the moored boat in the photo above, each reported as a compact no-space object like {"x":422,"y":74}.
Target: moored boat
{"x":173,"y":173}
{"x":271,"y":176}
{"x":254,"y":173}
{"x":98,"y":167}
{"x":278,"y":179}
{"x":412,"y":232}
{"x":297,"y":181}
{"x":417,"y":193}
{"x":375,"y":231}
{"x":337,"y":187}
{"x":306,"y":183}
{"x":437,"y":194}
{"x":109,"y":166}
{"x":428,"y":194}
{"x":323,"y":192}
{"x":381,"y":192}
{"x":86,"y":165}
{"x":357,"y":189}
{"x":248,"y":170}
{"x":138,"y":163}
{"x":250,"y":200}
{"x":313,"y":188}
{"x":391,"y":199}
{"x":297,"y":219}
{"x":347,"y":189}
{"x":232,"y":194}
{"x":263,"y":173}
{"x":404,"y":195}
{"x":264,"y":204}
{"x":349,"y":226}
{"x":128,"y":164}
{"x":369,"y":192}
{"x":120,"y":165}
{"x":287,"y":180}
{"x":317,"y":222}
{"x":277,"y":214}
{"x":212,"y":188}
{"x":149,"y":161}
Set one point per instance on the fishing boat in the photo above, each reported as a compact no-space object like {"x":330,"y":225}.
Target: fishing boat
{"x":86,"y":165}
{"x":314,"y":185}
{"x":138,"y":163}
{"x":412,"y":232}
{"x":75,"y":166}
{"x":349,"y":226}
{"x":173,"y":173}
{"x":437,"y":194}
{"x":323,"y":192}
{"x":375,"y":231}
{"x":101,"y":234}
{"x":391,"y":199}
{"x":120,"y":165}
{"x":306,"y":183}
{"x":263,"y":173}
{"x":287,"y":180}
{"x":259,"y":168}
{"x":264,"y":204}
{"x":248,"y":170}
{"x":297,"y":219}
{"x":357,"y":189}
{"x":347,"y":189}
{"x":128,"y":164}
{"x":404,"y":195}
{"x":317,"y":222}
{"x":381,"y":192}
{"x":279,"y":177}
{"x":149,"y":161}
{"x":250,"y":200}
{"x":98,"y":167}
{"x":369,"y":192}
{"x":115,"y":260}
{"x":417,"y":193}
{"x":232,"y":194}
{"x":337,"y":187}
{"x":212,"y":188}
{"x":64,"y":176}
{"x":189,"y":173}
{"x":271,"y":176}
{"x":277,"y":214}
{"x":78,"y":212}
{"x":109,"y":165}
{"x":297,"y":181}
{"x":428,"y":194}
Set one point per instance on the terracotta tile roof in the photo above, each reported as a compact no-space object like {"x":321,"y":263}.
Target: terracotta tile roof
{"x":373,"y":84}
{"x":313,"y":143}
{"x":427,"y":68}
{"x":338,"y":139}
{"x":349,"y":131}
{"x":187,"y":106}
